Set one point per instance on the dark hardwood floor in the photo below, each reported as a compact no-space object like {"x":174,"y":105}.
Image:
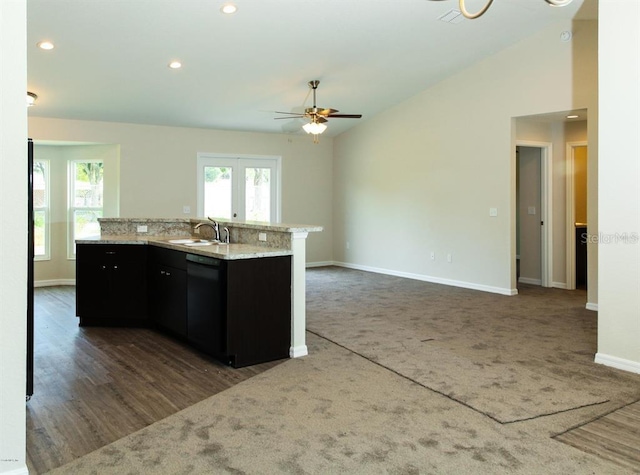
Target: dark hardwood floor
{"x":96,"y":385}
{"x":615,"y":437}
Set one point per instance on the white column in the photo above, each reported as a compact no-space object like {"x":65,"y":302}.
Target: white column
{"x":298,"y":295}
{"x":13,"y":235}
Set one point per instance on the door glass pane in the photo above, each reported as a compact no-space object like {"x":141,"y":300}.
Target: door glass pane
{"x":258,"y":194}
{"x":217,"y":192}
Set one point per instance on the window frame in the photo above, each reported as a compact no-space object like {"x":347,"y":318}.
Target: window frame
{"x":47,"y":211}
{"x":72,"y":209}
{"x":239,"y":163}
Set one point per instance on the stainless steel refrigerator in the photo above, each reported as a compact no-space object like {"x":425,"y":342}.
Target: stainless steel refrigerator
{"x":30,"y":253}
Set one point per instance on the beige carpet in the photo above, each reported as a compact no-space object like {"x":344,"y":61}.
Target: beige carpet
{"x":382,"y":319}
{"x":332,"y":413}
{"x":335,"y":411}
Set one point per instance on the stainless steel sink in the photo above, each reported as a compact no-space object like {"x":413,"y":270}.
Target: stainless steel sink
{"x":192,"y":242}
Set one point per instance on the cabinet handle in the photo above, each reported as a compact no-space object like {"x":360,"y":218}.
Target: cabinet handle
{"x":162,"y":272}
{"x":110,"y":252}
{"x":115,"y":267}
{"x":168,"y":273}
{"x":104,"y":267}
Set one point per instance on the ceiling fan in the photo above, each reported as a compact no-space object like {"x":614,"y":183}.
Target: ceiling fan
{"x":317,"y":115}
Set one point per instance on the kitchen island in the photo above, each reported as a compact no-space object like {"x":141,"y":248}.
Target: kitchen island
{"x":133,"y":275}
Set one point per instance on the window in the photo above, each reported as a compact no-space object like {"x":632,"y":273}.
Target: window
{"x":41,"y":225}
{"x":85,"y":200}
{"x":239,"y":188}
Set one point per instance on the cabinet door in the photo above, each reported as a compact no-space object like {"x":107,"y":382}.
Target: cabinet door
{"x":258,"y":310}
{"x":111,"y":284}
{"x":128,"y":281}
{"x":93,"y":288}
{"x":168,"y":298}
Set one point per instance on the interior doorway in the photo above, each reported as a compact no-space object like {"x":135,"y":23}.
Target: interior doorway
{"x":533,"y":214}
{"x":577,"y":224}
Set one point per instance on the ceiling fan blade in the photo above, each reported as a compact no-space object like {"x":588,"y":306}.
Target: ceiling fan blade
{"x":290,"y":113}
{"x":321,"y":119}
{"x":345,"y":116}
{"x":298,"y":116}
{"x":326,"y":112}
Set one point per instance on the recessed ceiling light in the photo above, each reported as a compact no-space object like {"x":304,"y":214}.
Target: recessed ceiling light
{"x":45,"y":45}
{"x":175,"y":64}
{"x":229,"y":8}
{"x":572,"y":116}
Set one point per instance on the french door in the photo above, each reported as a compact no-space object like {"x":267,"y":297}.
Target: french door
{"x":242,"y":188}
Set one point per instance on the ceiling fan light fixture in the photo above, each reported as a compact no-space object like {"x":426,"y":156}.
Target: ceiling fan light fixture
{"x":314,"y":128}
{"x":31,"y":99}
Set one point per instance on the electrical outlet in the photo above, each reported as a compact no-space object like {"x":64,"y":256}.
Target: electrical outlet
{"x":262,"y":236}
{"x":186,"y":209}
{"x":448,"y":257}
{"x":348,"y":245}
{"x":433,"y":256}
{"x":141,"y":228}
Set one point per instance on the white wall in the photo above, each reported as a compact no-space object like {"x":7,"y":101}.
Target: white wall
{"x":13,"y":231}
{"x":158,"y":169}
{"x":421,"y":177}
{"x":619,"y":184}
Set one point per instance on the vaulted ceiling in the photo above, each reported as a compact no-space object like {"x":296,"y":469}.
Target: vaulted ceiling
{"x":110,"y":61}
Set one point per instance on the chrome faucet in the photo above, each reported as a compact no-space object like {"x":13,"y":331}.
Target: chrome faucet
{"x":214,"y":227}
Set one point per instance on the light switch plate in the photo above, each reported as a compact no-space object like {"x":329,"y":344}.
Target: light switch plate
{"x":493,"y":211}
{"x":186,"y":209}
{"x":141,"y":228}
{"x":262,"y":236}
{"x":531,"y":210}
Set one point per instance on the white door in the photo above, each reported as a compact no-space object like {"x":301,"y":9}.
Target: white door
{"x":242,"y":188}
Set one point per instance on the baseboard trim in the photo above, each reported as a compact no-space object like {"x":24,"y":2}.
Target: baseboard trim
{"x":619,"y":363}
{"x":530,"y":281}
{"x":320,"y":264}
{"x":54,"y":282}
{"x":592,"y":306}
{"x":298,"y":351}
{"x":431,"y":279}
{"x":559,"y":285}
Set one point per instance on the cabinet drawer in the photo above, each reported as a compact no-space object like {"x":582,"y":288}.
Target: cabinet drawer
{"x":168,"y":257}
{"x":102,"y":252}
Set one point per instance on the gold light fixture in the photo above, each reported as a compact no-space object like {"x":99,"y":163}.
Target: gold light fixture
{"x":479,"y":13}
{"x":31,"y":99}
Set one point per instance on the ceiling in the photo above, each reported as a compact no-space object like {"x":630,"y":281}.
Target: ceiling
{"x":110,"y":61}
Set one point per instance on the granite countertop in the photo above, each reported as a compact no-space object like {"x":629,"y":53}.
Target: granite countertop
{"x":220,"y":251}
{"x":259,"y":225}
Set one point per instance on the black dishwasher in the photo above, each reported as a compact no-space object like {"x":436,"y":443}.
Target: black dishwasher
{"x":206,"y":325}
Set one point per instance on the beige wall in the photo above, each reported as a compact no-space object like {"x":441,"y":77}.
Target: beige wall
{"x":158,"y":169}
{"x":619,"y":185}
{"x":60,"y":269}
{"x":422,"y":176}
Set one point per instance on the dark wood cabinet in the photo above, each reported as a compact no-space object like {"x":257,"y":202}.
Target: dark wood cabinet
{"x":258,"y":310}
{"x":168,"y":290}
{"x":238,"y":311}
{"x":111,"y":284}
